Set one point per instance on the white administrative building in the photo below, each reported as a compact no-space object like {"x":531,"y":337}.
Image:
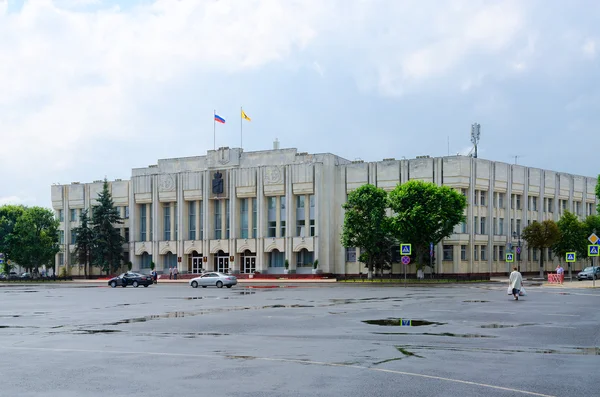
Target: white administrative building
{"x":252,"y":211}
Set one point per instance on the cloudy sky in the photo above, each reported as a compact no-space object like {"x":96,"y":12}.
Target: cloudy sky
{"x":93,"y":88}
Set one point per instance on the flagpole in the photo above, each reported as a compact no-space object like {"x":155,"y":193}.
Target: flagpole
{"x":214,"y":130}
{"x":241,"y":128}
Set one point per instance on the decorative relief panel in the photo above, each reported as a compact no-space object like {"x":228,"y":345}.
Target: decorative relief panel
{"x":166,"y":183}
{"x":273,"y":175}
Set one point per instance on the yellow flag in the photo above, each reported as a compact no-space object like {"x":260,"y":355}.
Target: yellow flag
{"x":245,"y":116}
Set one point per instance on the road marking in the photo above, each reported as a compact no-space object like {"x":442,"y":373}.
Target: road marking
{"x":565,"y":315}
{"x":502,"y":312}
{"x":441,"y":310}
{"x":285,"y":360}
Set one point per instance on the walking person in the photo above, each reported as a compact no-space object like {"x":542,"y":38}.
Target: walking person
{"x":515,"y":282}
{"x":561,"y":273}
{"x":170,"y":273}
{"x":175,"y":272}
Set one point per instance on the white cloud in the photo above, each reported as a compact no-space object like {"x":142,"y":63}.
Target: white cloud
{"x":589,"y":48}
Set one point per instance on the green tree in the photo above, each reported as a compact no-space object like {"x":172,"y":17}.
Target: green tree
{"x":9,"y":215}
{"x":572,"y":237}
{"x":365,"y":224}
{"x":84,"y":243}
{"x":35,"y":239}
{"x":591,"y":225}
{"x":108,"y":242}
{"x":425,"y":213}
{"x":541,"y":236}
{"x":598,"y":194}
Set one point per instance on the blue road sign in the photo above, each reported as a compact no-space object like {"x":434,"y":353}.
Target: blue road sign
{"x":405,"y":323}
{"x":593,"y":250}
{"x":405,"y":249}
{"x":570,"y":257}
{"x":510,"y":257}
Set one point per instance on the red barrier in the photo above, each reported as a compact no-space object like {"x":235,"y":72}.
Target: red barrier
{"x":556,"y":278}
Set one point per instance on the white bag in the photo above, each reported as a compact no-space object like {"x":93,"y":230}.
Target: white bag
{"x":522,"y":292}
{"x":509,"y":291}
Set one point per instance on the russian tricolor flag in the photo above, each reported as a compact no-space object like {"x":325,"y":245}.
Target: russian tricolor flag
{"x":219,"y":119}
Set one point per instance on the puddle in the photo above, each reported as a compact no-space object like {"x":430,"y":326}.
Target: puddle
{"x":449,"y":334}
{"x":96,"y":331}
{"x":10,"y":315}
{"x":247,"y":292}
{"x":588,"y":351}
{"x":506,"y":325}
{"x":476,"y":301}
{"x":397,"y":322}
{"x":189,"y":298}
{"x":241,"y":357}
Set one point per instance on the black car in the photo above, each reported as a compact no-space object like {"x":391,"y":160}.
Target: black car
{"x":130,"y":278}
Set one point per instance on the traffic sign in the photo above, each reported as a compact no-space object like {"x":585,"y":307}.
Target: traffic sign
{"x":594,"y":250}
{"x":510,"y":257}
{"x":1,"y":261}
{"x":593,"y":238}
{"x":405,"y":249}
{"x":406,"y":260}
{"x":518,"y":250}
{"x":405,"y":323}
{"x":430,"y":249}
{"x":571,"y":256}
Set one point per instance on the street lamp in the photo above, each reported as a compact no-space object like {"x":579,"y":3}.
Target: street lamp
{"x":517,"y":236}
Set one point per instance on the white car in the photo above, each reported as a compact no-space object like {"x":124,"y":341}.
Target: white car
{"x":214,"y":278}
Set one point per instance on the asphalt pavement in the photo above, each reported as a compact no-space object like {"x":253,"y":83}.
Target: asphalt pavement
{"x":298,"y":340}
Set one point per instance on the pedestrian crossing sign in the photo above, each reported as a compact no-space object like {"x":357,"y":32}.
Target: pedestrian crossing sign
{"x":405,"y":249}
{"x":405,"y":323}
{"x":571,"y":256}
{"x":594,"y":250}
{"x":510,"y":257}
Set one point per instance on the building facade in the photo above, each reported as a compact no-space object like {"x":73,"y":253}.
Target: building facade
{"x":254,"y":211}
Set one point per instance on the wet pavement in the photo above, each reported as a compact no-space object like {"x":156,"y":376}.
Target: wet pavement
{"x":318,"y":340}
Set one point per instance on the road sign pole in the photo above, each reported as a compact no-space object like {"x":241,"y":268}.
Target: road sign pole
{"x":405,"y":265}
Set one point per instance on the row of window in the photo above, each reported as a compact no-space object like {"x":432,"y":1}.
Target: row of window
{"x":61,"y":236}
{"x":480,"y":253}
{"x":75,"y":213}
{"x":248,"y":212}
{"x":516,"y":199}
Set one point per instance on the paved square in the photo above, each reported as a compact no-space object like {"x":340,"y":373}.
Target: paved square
{"x":325,"y":340}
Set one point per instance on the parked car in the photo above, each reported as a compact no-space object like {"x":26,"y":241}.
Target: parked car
{"x":589,"y":273}
{"x":130,"y":278}
{"x":214,"y":278}
{"x":26,"y":276}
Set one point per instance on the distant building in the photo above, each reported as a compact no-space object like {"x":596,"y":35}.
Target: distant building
{"x":250,"y":211}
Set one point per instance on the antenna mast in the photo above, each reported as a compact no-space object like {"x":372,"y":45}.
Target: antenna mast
{"x":475,"y":134}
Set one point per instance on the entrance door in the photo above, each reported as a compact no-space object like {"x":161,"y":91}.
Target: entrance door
{"x":197,"y":265}
{"x":223,"y":264}
{"x":249,"y":264}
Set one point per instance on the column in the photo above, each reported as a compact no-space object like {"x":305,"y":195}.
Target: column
{"x":278,"y":216}
{"x":172,"y":220}
{"x":198,"y":208}
{"x":306,"y":215}
{"x":148,"y":220}
{"x":250,"y":217}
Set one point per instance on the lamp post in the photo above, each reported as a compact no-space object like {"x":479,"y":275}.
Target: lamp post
{"x":517,"y":236}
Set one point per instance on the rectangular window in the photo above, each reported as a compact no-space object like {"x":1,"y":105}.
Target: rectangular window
{"x":61,"y":216}
{"x":448,"y":253}
{"x":476,"y":198}
{"x":254,"y":217}
{"x":475,"y":252}
{"x":534,"y":203}
{"x":126,"y":212}
{"x":61,"y":259}
{"x":227,"y":219}
{"x":73,"y":237}
{"x":463,"y":227}
{"x":143,"y":222}
{"x":535,"y":254}
{"x":311,"y":215}
{"x":192,"y":220}
{"x":271,"y":216}
{"x":518,"y":226}
{"x":300,"y":216}
{"x":282,"y":216}
{"x":518,"y":198}
{"x":501,"y":226}
{"x":244,"y":218}
{"x":463,"y":252}
{"x":495,"y":200}
{"x":175,"y":222}
{"x":476,"y":224}
{"x":495,"y":226}
{"x":550,"y":205}
{"x":512,"y":201}
{"x":351,"y":254}
{"x":463,"y":192}
{"x":501,"y":253}
{"x":512,"y":226}
{"x":126,"y":234}
{"x":61,"y":236}
{"x":73,"y":215}
{"x":167,"y":222}
{"x":218,"y":230}
{"x":277,"y":259}
{"x":501,"y":200}
{"x":483,"y":222}
{"x":304,"y":258}
{"x":495,"y":253}
{"x":578,"y":208}
{"x":482,"y":195}
{"x":484,"y":252}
